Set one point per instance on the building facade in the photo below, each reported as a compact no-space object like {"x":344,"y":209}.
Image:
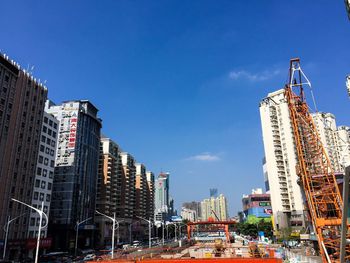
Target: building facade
{"x":214,"y":208}
{"x":76,"y":171}
{"x":256,"y":206}
{"x":161,"y":212}
{"x":188,"y":214}
{"x":109,"y":189}
{"x":44,"y":174}
{"x":281,"y":158}
{"x":140,"y":190}
{"x":22,"y":102}
{"x":150,"y":195}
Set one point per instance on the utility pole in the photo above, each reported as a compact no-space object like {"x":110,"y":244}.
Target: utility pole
{"x":9,"y":221}
{"x":344,"y":226}
{"x":41,"y":214}
{"x":77,"y":233}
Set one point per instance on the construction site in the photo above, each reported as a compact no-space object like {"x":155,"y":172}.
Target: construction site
{"x":326,"y":211}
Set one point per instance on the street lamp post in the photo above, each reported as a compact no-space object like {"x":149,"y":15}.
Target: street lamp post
{"x":113,"y":229}
{"x":9,"y":221}
{"x":77,"y":233}
{"x":149,"y":231}
{"x":41,"y":214}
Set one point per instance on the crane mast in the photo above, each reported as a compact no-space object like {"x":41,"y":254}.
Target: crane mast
{"x":317,"y":179}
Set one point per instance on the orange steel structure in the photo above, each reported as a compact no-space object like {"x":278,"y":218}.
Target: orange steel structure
{"x":223,"y":224}
{"x":317,"y":178}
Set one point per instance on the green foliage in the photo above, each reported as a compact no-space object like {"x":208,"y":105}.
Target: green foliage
{"x":249,"y":229}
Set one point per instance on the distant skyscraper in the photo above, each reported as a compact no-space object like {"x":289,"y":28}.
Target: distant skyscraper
{"x":22,"y":101}
{"x":213,"y":192}
{"x":76,"y":172}
{"x":162,"y":196}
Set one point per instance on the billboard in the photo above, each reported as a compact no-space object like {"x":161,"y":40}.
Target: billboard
{"x":176,"y":219}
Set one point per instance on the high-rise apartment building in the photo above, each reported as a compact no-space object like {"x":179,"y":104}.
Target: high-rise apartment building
{"x":281,"y":159}
{"x":326,"y":126}
{"x":280,"y":162}
{"x":44,"y":174}
{"x":162,"y":197}
{"x":109,"y":188}
{"x":140,"y":190}
{"x":343,"y":146}
{"x":214,"y":207}
{"x":150,"y":195}
{"x":22,"y":101}
{"x":128,"y":185}
{"x":76,"y":171}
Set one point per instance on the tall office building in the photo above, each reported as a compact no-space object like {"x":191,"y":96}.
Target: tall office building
{"x":140,"y":190}
{"x":109,"y":188}
{"x":76,"y":171}
{"x":22,"y":101}
{"x":45,"y":168}
{"x":150,"y":195}
{"x":215,"y":208}
{"x":280,"y":162}
{"x":162,"y":197}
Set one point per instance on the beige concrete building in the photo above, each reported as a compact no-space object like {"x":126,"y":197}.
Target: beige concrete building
{"x":214,"y":207}
{"x":150,"y":195}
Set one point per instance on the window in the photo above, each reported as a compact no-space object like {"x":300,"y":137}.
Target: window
{"x":47,"y":150}
{"x":48,"y":198}
{"x":46,"y":161}
{"x":49,"y":132}
{"x":52,"y":152}
{"x":45,"y":119}
{"x":50,"y":123}
{"x":32,"y":222}
{"x":44,"y":172}
{"x":41,"y":198}
{"x":42,"y":148}
{"x":52,"y":164}
{"x":38,"y":171}
{"x":37,"y":183}
{"x":44,"y":129}
{"x":41,"y":159}
{"x":54,"y":134}
{"x":50,"y":174}
{"x":53,"y":143}
{"x":48,"y":141}
{"x":49,"y":186}
{"x":43,"y":138}
{"x":36,"y":195}
{"x":55,"y":125}
{"x":43,"y":184}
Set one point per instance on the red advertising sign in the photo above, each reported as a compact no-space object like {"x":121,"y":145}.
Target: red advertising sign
{"x":44,"y":243}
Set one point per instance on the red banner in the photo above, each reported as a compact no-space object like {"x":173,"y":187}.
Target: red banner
{"x":44,"y":243}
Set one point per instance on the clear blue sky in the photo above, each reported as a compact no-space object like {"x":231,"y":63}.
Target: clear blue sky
{"x":178,"y":83}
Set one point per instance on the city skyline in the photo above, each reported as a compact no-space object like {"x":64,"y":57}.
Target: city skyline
{"x":189,"y":75}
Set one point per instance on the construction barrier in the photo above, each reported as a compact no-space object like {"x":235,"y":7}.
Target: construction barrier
{"x":212,"y":260}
